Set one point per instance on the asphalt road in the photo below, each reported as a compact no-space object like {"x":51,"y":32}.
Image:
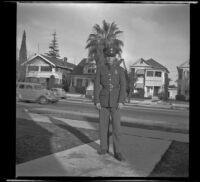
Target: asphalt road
{"x":166,"y":117}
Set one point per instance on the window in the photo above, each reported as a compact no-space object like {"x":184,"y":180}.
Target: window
{"x":150,"y":73}
{"x":46,"y":68}
{"x":158,"y":74}
{"x":42,"y":80}
{"x":21,"y":86}
{"x":33,"y":80}
{"x":28,"y":86}
{"x":38,"y":87}
{"x":33,"y":68}
{"x":91,"y":70}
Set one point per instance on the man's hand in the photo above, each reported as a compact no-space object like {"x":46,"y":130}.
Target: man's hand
{"x":120,"y":105}
{"x":98,"y":106}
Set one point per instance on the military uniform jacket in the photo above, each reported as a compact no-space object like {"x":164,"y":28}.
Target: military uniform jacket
{"x":109,"y":86}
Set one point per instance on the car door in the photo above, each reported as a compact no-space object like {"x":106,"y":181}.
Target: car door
{"x":38,"y":91}
{"x":29,"y":93}
{"x":21,"y":90}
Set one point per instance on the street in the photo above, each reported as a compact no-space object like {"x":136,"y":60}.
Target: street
{"x":143,"y":116}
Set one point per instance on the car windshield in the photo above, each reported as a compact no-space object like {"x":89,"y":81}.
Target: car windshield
{"x":39,"y":87}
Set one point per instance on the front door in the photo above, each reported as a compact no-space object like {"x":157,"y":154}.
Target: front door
{"x":156,"y":89}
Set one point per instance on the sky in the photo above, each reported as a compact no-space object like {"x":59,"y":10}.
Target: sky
{"x":157,"y":31}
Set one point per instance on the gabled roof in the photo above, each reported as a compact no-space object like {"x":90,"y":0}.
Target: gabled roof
{"x":60,"y":62}
{"x":186,"y":64}
{"x":150,"y":63}
{"x":78,"y":70}
{"x":155,"y":64}
{"x":38,"y":55}
{"x":140,"y":63}
{"x":53,"y":61}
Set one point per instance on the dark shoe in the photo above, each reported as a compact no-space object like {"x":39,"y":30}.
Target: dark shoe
{"x":102,"y":152}
{"x":119,"y":157}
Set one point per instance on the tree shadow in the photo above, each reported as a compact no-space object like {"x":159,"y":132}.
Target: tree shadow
{"x":32,"y":142}
{"x":77,"y":133}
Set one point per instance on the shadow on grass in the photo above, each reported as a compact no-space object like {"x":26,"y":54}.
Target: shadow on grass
{"x":77,"y":133}
{"x":32,"y":141}
{"x":174,"y":163}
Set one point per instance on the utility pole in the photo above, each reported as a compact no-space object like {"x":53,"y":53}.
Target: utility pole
{"x":38,"y":49}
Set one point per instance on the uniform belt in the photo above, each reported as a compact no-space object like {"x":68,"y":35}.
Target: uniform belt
{"x":110,"y":86}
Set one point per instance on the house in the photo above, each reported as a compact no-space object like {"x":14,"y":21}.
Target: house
{"x":184,"y":79}
{"x":83,"y":76}
{"x":150,"y":77}
{"x":39,"y":69}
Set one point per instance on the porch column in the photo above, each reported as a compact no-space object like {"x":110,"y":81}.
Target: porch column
{"x":145,"y":91}
{"x":153,"y":91}
{"x":75,"y":81}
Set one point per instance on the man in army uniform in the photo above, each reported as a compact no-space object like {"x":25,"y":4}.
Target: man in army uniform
{"x":109,"y":97}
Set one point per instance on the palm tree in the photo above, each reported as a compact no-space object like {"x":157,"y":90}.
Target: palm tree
{"x":107,"y":35}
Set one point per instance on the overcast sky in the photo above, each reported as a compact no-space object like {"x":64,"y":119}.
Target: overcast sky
{"x":161,"y":32}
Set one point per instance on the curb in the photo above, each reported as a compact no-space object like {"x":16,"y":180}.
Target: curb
{"x":156,"y":105}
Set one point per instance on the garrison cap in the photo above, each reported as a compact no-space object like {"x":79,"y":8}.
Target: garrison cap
{"x":110,"y":52}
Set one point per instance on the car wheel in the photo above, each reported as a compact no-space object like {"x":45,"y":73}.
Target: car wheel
{"x":43,"y":100}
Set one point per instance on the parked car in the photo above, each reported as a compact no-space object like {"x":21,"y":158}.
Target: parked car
{"x":34,"y":92}
{"x":59,"y":92}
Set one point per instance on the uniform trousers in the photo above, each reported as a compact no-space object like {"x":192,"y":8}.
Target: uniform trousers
{"x":104,"y":117}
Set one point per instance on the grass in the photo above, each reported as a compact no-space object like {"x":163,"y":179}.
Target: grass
{"x":34,"y":140}
{"x":174,"y":163}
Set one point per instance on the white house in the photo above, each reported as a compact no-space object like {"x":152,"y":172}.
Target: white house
{"x":151,"y":77}
{"x":184,"y":79}
{"x":39,"y":69}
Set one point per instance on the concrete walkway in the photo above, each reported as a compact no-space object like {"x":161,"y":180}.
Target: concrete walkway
{"x":142,"y":149}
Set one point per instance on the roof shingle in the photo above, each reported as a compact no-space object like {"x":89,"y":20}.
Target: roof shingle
{"x":155,"y":64}
{"x":60,"y":62}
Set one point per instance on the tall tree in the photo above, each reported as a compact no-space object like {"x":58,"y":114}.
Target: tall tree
{"x":22,"y":59}
{"x":53,"y":46}
{"x":107,"y":35}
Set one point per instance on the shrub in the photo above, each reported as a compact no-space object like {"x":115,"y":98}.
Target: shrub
{"x":80,"y":90}
{"x":161,"y":95}
{"x":180,"y":97}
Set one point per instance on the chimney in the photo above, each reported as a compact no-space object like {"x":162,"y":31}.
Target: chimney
{"x":65,"y":59}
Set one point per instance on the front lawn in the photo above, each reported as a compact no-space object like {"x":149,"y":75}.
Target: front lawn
{"x":38,"y":139}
